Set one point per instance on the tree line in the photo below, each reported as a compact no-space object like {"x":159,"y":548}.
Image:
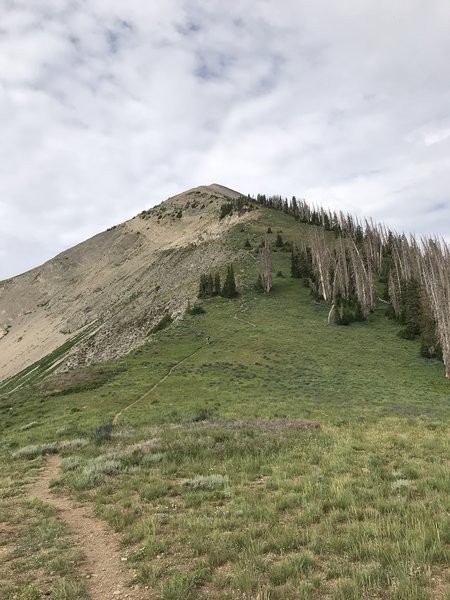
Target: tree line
{"x":415,"y":277}
{"x":347,"y":272}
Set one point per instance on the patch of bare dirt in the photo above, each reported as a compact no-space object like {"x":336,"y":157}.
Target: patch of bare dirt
{"x":104,"y":571}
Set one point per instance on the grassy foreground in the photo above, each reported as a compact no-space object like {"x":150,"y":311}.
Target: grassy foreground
{"x":214,"y":480}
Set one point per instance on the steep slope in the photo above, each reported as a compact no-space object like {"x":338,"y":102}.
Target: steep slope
{"x":110,"y":289}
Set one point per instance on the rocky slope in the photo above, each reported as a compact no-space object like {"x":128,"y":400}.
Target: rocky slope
{"x":111,"y":289}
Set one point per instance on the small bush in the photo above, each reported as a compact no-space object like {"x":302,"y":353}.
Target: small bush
{"x":408,"y":333}
{"x":50,"y":448}
{"x":203,"y":414}
{"x":95,"y":471}
{"x":71,"y":463}
{"x":35,"y":450}
{"x":103,"y":433}
{"x":75,"y":444}
{"x":226,"y":209}
{"x":207,"y":482}
{"x":196,"y":309}
{"x":164,"y":322}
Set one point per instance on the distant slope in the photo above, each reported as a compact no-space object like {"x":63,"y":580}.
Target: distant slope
{"x":115,"y":285}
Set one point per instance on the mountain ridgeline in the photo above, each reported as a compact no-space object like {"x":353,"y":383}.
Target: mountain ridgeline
{"x":106,"y":296}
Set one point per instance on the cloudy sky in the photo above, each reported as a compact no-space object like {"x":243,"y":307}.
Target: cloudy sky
{"x":108,"y":107}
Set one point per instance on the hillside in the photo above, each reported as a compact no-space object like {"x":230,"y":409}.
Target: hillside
{"x":251,"y":451}
{"x":106,"y":293}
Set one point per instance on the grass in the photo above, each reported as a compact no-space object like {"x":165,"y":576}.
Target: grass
{"x":37,"y":559}
{"x":215,"y":485}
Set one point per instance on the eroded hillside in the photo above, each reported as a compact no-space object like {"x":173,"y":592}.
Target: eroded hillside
{"x":106,"y":293}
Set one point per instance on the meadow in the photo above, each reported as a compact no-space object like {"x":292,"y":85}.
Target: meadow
{"x":258,"y":453}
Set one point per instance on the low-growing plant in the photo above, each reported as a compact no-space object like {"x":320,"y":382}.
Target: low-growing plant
{"x":28,"y":426}
{"x":95,"y":471}
{"x":163,"y":323}
{"x":103,"y":433}
{"x":207,"y":482}
{"x":203,"y":414}
{"x":196,"y":309}
{"x":35,"y":450}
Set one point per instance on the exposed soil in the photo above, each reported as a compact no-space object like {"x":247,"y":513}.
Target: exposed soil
{"x":119,"y":282}
{"x":104,"y":572}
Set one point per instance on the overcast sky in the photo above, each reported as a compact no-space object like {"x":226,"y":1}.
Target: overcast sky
{"x":108,"y":107}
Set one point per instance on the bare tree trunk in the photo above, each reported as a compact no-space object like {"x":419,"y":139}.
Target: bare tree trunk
{"x":436,"y":277}
{"x":363,"y":280}
{"x":322,"y":261}
{"x":265,"y":255}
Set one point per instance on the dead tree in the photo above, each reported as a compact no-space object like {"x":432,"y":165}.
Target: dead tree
{"x":322,"y":263}
{"x":265,"y":256}
{"x":436,"y":278}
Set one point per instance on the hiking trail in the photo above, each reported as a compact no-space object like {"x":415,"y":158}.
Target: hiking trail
{"x":169,"y":373}
{"x":103,"y":570}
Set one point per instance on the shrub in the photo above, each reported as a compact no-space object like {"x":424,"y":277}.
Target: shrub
{"x":95,"y":471}
{"x":196,"y":309}
{"x":203,"y":414}
{"x":226,"y":209}
{"x":103,"y":433}
{"x":207,"y":482}
{"x":35,"y":450}
{"x":164,"y":322}
{"x":71,"y":463}
{"x":68,"y":445}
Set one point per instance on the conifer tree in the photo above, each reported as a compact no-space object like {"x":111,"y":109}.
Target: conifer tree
{"x":229,"y":289}
{"x":210,"y":285}
{"x":217,"y":285}
{"x":279,"y":241}
{"x":295,"y":267}
{"x":203,"y":288}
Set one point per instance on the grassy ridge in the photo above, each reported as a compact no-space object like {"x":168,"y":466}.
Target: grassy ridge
{"x":247,"y":504}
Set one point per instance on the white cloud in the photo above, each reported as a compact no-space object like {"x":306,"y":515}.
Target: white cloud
{"x":107,"y":108}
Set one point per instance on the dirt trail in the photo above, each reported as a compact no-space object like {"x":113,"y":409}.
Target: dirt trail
{"x":148,"y":392}
{"x":105,"y":574}
{"x":169,"y":373}
{"x":244,"y":321}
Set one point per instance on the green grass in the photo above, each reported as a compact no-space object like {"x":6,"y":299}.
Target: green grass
{"x":214,"y":486}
